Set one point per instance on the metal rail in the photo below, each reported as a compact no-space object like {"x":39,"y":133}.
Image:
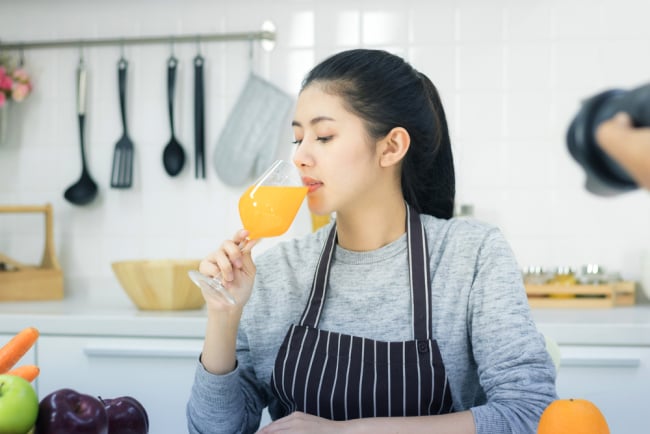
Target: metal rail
{"x":267,"y":34}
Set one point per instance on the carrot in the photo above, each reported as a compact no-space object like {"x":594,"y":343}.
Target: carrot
{"x":28,"y":372}
{"x":13,"y":350}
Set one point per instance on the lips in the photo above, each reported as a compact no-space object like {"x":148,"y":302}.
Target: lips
{"x":311,"y":184}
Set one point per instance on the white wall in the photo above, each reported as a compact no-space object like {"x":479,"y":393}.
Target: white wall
{"x":511,"y":73}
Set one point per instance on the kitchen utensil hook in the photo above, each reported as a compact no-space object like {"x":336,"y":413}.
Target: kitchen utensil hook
{"x":21,"y":58}
{"x":198,"y":45}
{"x":251,"y":53}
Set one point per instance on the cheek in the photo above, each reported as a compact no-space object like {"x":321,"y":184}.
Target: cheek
{"x":355,"y":168}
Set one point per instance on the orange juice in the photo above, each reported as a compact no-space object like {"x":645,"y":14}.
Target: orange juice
{"x":318,"y":221}
{"x":269,"y":210}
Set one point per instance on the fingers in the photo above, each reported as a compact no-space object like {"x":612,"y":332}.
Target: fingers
{"x":230,"y":256}
{"x":610,"y":132}
{"x":623,"y":119}
{"x":620,"y":129}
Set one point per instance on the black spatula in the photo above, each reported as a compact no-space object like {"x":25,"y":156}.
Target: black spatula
{"x":122,"y":171}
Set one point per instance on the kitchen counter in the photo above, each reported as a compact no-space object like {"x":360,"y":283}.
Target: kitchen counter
{"x":81,"y":338}
{"x":629,"y":325}
{"x":615,"y":326}
{"x":87,"y":318}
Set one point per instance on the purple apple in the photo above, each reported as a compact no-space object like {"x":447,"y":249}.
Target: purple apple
{"x":66,"y":411}
{"x":126,"y":415}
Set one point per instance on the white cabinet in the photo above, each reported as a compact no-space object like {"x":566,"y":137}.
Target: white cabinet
{"x":157,"y":371}
{"x":616,"y":379}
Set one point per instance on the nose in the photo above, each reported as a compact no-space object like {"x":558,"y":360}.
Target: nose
{"x":302,"y":157}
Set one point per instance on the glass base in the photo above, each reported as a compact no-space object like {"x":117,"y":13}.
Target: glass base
{"x":207,"y":283}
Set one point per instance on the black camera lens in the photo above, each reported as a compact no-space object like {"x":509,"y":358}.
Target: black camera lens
{"x":605,"y":177}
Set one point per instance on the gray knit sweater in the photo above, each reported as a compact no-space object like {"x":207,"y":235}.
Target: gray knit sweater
{"x":495,"y":358}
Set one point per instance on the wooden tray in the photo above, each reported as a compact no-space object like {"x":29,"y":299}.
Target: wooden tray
{"x":582,"y":296}
{"x":29,"y":282}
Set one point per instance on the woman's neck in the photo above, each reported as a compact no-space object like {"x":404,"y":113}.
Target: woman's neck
{"x":366,"y":228}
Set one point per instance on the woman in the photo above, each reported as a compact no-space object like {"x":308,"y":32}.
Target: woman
{"x":395,"y":317}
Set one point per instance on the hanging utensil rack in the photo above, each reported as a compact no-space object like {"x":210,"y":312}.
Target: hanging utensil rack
{"x":266,"y":35}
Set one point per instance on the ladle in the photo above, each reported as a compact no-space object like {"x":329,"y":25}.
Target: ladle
{"x":173,"y":154}
{"x":85,"y":190}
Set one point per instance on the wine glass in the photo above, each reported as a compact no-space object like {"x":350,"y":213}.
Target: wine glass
{"x":267,"y":209}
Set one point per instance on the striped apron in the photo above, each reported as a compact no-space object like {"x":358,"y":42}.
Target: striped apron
{"x":342,"y":377}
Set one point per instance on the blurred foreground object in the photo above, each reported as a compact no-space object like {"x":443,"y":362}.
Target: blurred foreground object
{"x":606,"y":177}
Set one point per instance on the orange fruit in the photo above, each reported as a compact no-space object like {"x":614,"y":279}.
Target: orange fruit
{"x":572,"y":416}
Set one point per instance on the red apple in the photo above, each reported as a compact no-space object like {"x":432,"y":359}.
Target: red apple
{"x":125,"y":415}
{"x":66,"y":411}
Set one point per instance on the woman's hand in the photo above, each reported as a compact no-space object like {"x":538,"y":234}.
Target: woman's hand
{"x":231,"y":264}
{"x":302,"y":423}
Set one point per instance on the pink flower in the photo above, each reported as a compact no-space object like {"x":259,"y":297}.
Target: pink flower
{"x":20,"y":91}
{"x":15,"y":83}
{"x":6,"y":82}
{"x":21,"y":75}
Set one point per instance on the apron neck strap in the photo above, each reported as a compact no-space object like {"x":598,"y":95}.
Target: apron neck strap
{"x":419,"y":276}
{"x":418,"y":257}
{"x":314,"y":308}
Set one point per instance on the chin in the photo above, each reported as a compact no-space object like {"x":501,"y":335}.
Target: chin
{"x":316,"y":206}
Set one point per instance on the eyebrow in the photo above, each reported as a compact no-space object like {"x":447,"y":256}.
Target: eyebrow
{"x":313,"y":121}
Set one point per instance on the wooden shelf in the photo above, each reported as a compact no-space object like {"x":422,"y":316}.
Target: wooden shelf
{"x":577,"y":296}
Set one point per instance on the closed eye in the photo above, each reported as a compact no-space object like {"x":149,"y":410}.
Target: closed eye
{"x":323,"y":139}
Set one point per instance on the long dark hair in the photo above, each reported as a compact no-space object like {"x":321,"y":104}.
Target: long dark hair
{"x":387,"y":92}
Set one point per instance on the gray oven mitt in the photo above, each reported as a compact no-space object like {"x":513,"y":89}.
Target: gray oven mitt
{"x":248,"y":142}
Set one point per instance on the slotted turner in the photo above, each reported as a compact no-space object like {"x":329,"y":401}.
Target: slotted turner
{"x":122,"y":171}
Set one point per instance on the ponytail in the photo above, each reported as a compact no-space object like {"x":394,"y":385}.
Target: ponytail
{"x":428,"y":175}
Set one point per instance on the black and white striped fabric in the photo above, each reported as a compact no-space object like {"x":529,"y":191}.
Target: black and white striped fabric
{"x":343,"y":377}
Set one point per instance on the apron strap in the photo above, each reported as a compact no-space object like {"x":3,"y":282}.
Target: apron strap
{"x":419,"y":277}
{"x":314,"y":307}
{"x":418,"y":257}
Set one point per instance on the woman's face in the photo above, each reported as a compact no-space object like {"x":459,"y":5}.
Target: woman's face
{"x":335,"y":156}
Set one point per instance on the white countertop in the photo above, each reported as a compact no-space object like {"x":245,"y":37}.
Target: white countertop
{"x":613,"y":326}
{"x":115,"y":318}
{"x":607,"y":326}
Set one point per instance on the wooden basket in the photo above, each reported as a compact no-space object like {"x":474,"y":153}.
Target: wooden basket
{"x":582,"y":296}
{"x":28,"y":282}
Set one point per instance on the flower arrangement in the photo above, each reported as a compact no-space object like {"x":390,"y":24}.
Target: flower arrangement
{"x":15,"y":83}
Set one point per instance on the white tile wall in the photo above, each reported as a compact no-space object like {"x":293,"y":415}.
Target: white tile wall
{"x":511,"y":74}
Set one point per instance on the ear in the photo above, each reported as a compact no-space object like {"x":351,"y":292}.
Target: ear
{"x":393,"y":146}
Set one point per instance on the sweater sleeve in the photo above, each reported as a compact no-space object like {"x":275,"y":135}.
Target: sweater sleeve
{"x":514,"y":368}
{"x":230,"y":403}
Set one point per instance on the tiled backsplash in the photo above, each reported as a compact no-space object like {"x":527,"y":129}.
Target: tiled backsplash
{"x":511,"y":75}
